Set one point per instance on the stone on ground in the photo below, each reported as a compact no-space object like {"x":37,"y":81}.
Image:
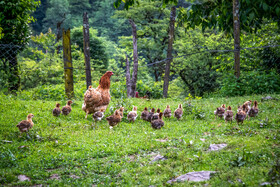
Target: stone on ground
{"x":193,"y":176}
{"x":216,"y":147}
{"x":23,"y":178}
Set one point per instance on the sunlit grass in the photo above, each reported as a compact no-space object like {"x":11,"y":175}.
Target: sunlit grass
{"x":72,"y":145}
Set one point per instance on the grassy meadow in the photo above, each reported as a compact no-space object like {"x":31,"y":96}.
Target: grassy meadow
{"x":81,"y":152}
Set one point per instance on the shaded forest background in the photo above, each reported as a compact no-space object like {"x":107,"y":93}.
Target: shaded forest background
{"x":202,"y":65}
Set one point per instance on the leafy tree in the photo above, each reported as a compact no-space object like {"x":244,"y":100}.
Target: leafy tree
{"x":152,"y":30}
{"x":39,"y":15}
{"x":77,"y":8}
{"x":15,"y":17}
{"x":57,"y":10}
{"x":98,"y":52}
{"x":198,"y":69}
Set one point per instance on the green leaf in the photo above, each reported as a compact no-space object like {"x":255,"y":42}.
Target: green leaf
{"x":265,"y":6}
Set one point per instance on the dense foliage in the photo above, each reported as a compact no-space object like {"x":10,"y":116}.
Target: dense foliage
{"x":203,"y":62}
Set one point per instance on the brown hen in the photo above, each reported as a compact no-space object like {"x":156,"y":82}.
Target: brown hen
{"x":99,"y":98}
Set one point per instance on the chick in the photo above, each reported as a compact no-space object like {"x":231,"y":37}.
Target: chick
{"x":228,"y":116}
{"x":121,"y":111}
{"x":220,"y":111}
{"x":241,"y":115}
{"x":247,"y":106}
{"x":167,"y":112}
{"x":253,"y":112}
{"x":158,"y":123}
{"x":132,"y":115}
{"x":97,"y":116}
{"x":178,"y":112}
{"x":26,"y":125}
{"x":156,"y":115}
{"x":114,"y":119}
{"x":144,"y":114}
{"x":56,"y":111}
{"x":150,"y":115}
{"x":67,"y":109}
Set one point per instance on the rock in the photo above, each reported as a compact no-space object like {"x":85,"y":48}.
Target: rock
{"x":265,"y":184}
{"x":193,"y":176}
{"x":157,"y":158}
{"x":55,"y":176}
{"x":216,"y":147}
{"x":75,"y":176}
{"x":268,"y":98}
{"x":162,"y":140}
{"x":23,"y":178}
{"x":7,"y":141}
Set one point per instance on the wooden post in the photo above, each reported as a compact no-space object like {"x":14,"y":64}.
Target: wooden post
{"x":169,"y":51}
{"x":236,"y":33}
{"x":86,"y":48}
{"x":68,"y":68}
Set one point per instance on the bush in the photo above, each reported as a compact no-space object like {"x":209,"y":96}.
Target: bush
{"x":250,"y":83}
{"x":117,"y":90}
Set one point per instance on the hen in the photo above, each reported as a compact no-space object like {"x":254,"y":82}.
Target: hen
{"x":158,"y":123}
{"x":228,"y":116}
{"x":25,"y":125}
{"x":220,"y":111}
{"x":56,"y":111}
{"x":114,"y":119}
{"x":167,"y":112}
{"x":67,"y":109}
{"x":178,"y":112}
{"x":132,"y":115}
{"x":99,"y":98}
{"x":253,"y":112}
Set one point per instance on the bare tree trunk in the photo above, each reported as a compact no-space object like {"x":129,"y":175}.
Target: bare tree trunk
{"x":236,"y":30}
{"x":169,"y":51}
{"x":135,"y":59}
{"x":128,"y":80}
{"x":86,"y":49}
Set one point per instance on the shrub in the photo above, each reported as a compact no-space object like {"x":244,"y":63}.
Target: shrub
{"x":250,"y":83}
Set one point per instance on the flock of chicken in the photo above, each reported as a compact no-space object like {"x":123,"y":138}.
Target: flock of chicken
{"x":97,"y":100}
{"x":242,"y":112}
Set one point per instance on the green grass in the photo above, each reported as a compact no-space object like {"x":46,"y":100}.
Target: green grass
{"x":70,"y":145}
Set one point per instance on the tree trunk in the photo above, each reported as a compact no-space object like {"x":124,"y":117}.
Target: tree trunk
{"x":128,"y":80}
{"x":86,"y":49}
{"x":135,"y":59}
{"x":236,"y":30}
{"x":14,"y":79}
{"x":68,"y":67}
{"x":169,"y":51}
